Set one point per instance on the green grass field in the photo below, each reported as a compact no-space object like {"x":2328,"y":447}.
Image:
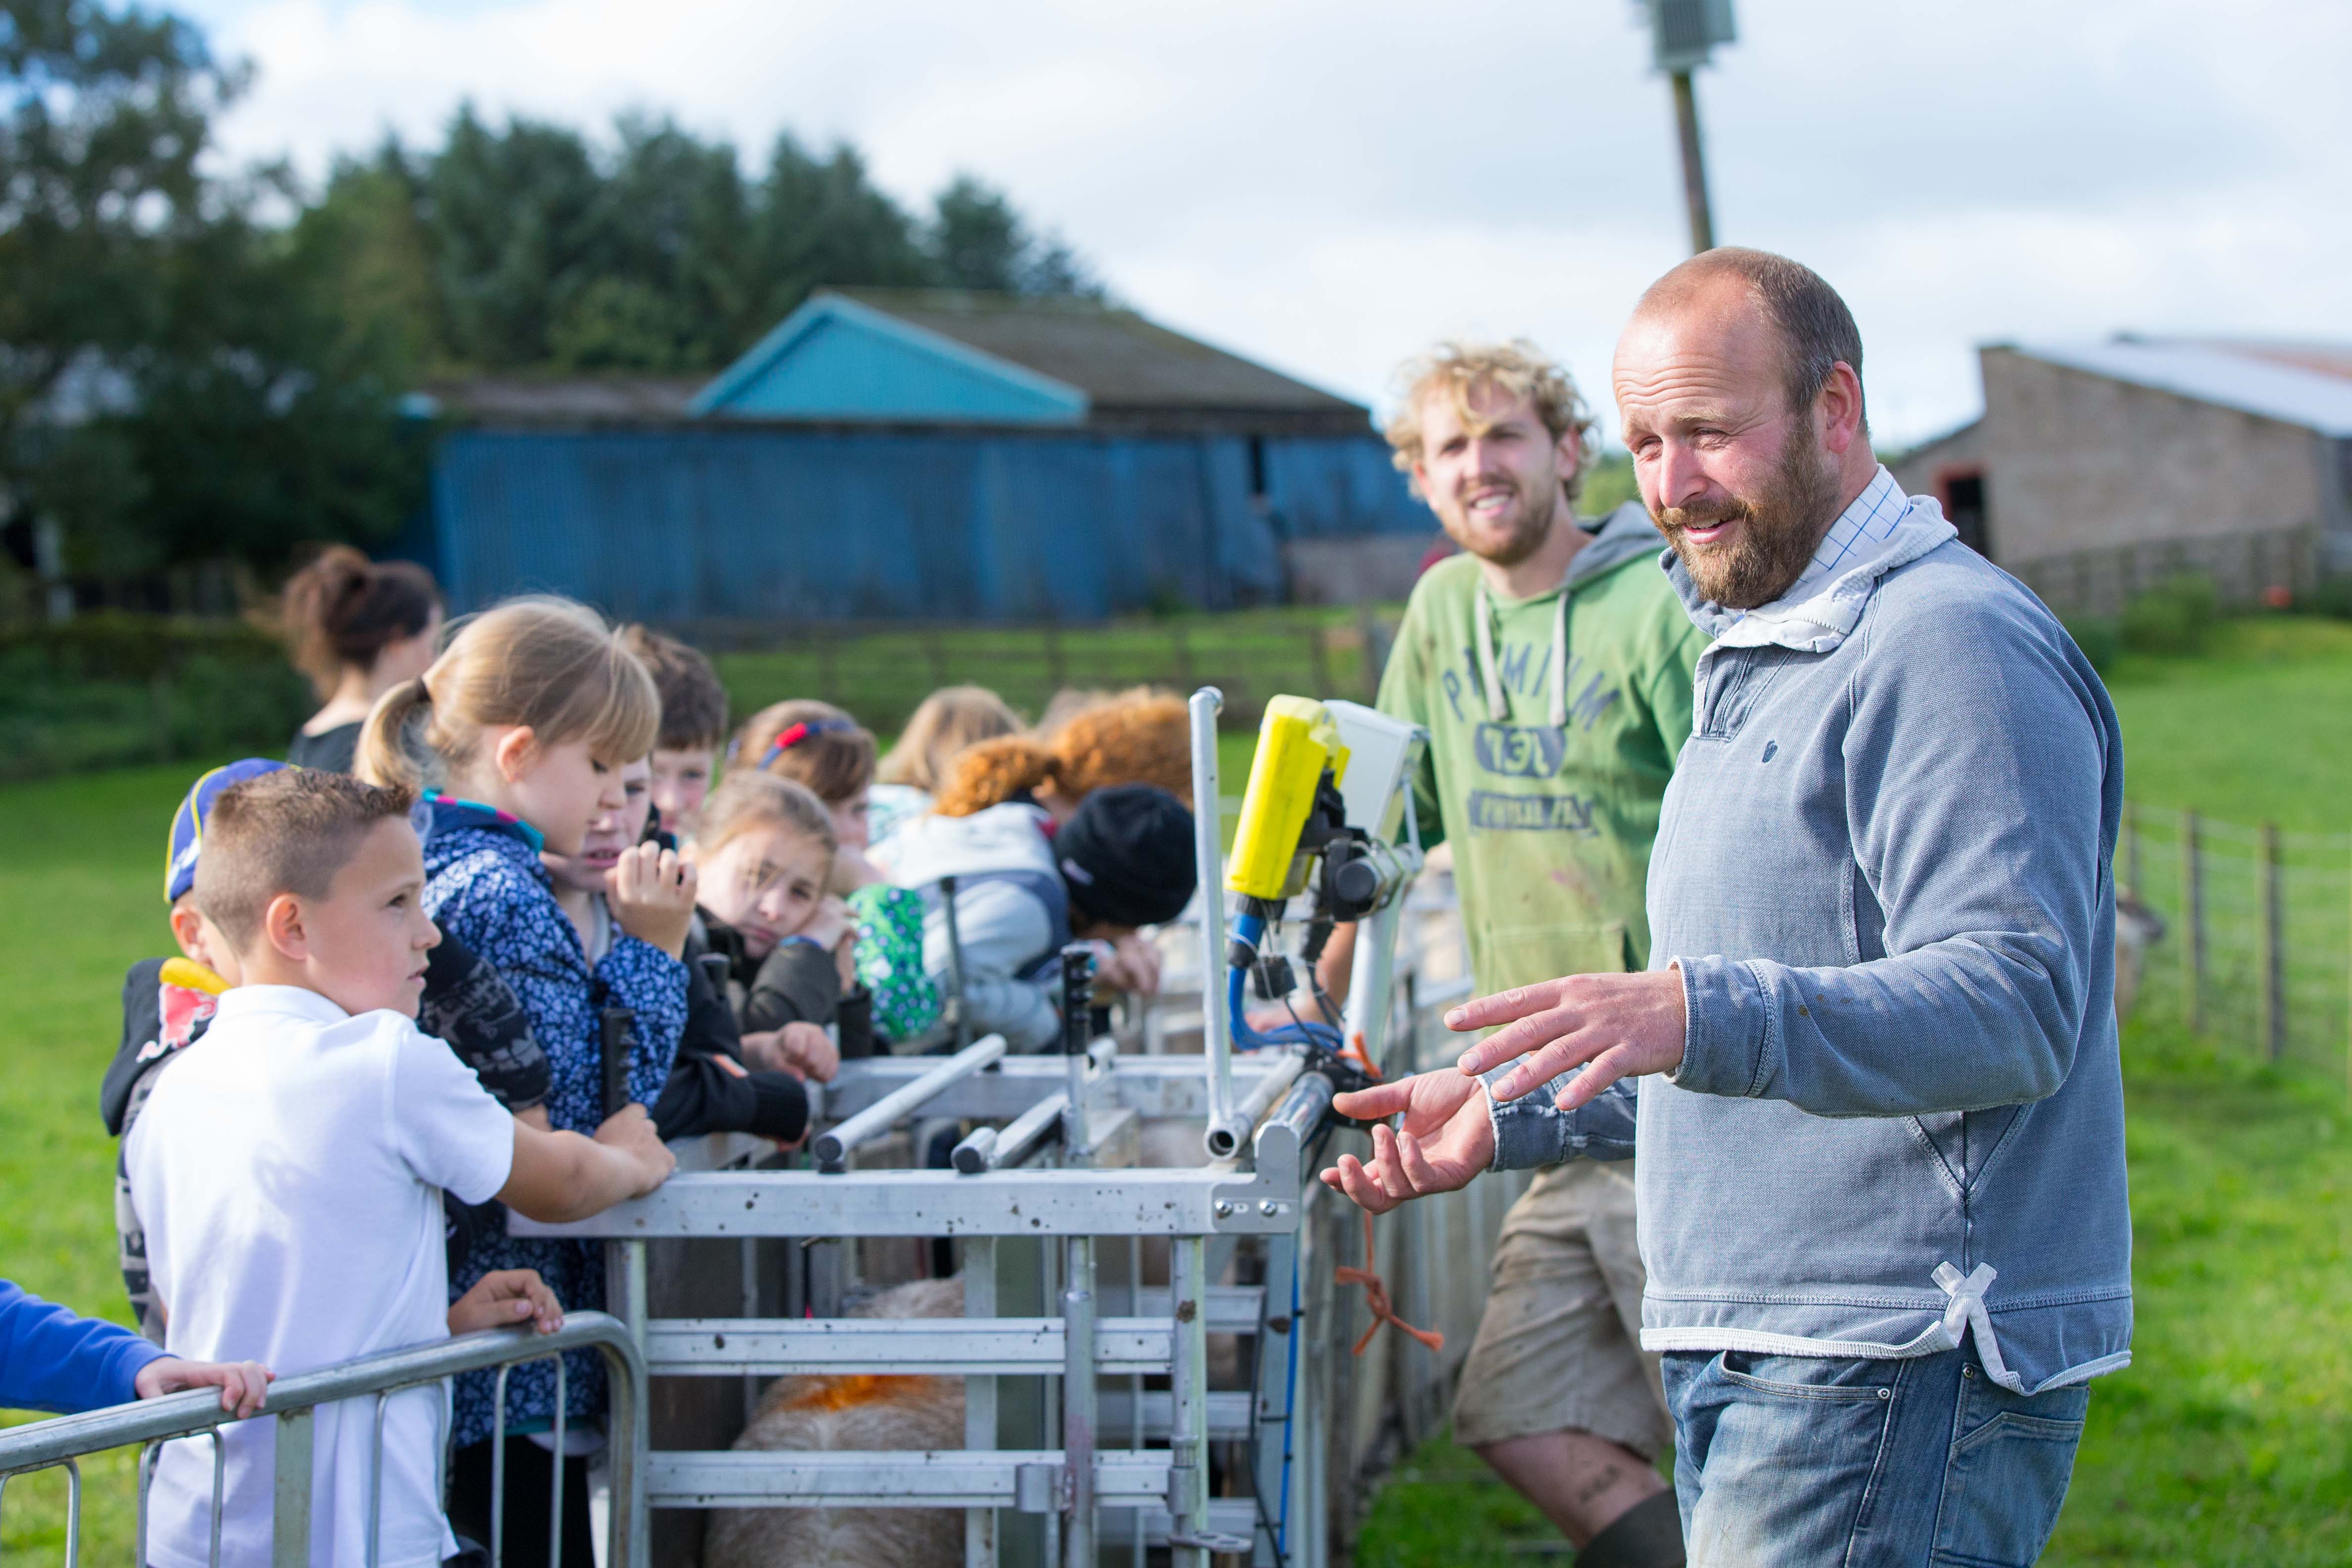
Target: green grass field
{"x":2228,"y":1442}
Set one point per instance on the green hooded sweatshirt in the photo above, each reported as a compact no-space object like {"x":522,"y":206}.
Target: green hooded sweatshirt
{"x":1549,"y":789}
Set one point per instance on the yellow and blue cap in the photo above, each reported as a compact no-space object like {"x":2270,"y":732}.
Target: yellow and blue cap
{"x":188,"y":821}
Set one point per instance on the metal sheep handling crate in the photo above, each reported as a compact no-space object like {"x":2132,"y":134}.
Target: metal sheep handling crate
{"x":1101,"y":1384}
{"x":1034,"y":1215}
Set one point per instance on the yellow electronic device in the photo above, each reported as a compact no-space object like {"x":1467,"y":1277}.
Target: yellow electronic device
{"x":1297,"y":742}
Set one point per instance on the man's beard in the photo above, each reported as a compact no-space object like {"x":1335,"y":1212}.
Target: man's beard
{"x":1780,"y":527}
{"x":1530,"y":526}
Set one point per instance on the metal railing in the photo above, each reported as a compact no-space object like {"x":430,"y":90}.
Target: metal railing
{"x":293,"y":1401}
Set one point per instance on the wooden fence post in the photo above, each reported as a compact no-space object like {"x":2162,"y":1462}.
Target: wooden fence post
{"x":1183,"y":657}
{"x":2192,"y":921}
{"x":2131,"y":847}
{"x":828,"y":674}
{"x":1318,"y":663}
{"x":2274,"y":954}
{"x":1057,"y":674}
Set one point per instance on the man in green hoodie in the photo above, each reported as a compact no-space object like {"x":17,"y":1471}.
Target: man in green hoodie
{"x":1550,"y":662}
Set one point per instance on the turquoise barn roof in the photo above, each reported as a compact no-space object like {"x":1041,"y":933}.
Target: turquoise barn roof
{"x":939,"y":355}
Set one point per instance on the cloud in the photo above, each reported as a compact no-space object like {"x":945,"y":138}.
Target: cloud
{"x":1326,"y":187}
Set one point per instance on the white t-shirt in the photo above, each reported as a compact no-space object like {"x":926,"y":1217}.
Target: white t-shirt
{"x":289,"y":1169}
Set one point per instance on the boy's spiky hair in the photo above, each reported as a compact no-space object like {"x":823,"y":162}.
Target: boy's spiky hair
{"x":693,"y":702}
{"x":287,"y":831}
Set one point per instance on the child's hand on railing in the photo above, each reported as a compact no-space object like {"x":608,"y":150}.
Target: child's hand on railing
{"x":630,"y":1131}
{"x":503,"y":1299}
{"x":1133,"y":965}
{"x":244,"y":1385}
{"x":801,"y":1049}
{"x":651,"y":892}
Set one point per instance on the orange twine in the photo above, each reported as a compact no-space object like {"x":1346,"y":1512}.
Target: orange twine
{"x":1376,"y":1299}
{"x":1355,"y":1050}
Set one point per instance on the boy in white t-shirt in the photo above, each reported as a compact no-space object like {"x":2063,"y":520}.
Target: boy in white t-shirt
{"x":289,"y":1166}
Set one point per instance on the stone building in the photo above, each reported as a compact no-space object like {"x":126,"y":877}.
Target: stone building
{"x":2098,"y":468}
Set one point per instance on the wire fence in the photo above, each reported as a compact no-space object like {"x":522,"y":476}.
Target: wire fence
{"x":2256,"y":943}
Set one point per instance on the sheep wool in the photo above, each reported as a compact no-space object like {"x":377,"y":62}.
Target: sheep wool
{"x":852,"y":1414}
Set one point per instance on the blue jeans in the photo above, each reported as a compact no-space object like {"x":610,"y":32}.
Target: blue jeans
{"x":1786,"y":1462}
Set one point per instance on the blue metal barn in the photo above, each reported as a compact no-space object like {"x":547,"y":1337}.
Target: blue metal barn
{"x":913,"y":455}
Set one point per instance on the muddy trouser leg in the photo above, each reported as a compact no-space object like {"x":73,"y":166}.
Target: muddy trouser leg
{"x":1559,"y":1347}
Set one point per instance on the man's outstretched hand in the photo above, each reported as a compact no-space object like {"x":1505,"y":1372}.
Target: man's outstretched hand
{"x":1446,"y":1139}
{"x":1622,"y":1026}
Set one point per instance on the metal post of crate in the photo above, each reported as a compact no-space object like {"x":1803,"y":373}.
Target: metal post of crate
{"x":1078,"y":1405}
{"x":1188,"y":1426}
{"x":979,"y":1395}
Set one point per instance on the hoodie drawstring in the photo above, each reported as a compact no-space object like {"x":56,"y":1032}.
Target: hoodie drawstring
{"x":1497,"y":709}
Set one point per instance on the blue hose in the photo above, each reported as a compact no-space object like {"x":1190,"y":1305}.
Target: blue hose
{"x":1248,"y":929}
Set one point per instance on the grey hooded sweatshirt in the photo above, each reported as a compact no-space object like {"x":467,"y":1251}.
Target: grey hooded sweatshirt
{"x":1886,"y":869}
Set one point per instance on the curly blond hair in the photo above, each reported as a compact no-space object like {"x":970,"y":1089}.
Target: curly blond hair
{"x":1140,"y":737}
{"x":1458,"y":367}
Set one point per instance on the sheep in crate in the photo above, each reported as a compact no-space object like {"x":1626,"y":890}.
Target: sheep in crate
{"x":851,"y":1414}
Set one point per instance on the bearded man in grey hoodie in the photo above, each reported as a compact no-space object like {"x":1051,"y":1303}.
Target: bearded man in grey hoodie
{"x":1881,"y":1192}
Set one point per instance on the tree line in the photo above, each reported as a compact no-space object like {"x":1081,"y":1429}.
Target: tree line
{"x":197,"y":365}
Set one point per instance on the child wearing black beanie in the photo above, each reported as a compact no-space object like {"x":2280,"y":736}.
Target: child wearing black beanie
{"x":1024,"y":887}
{"x":1126,"y":857}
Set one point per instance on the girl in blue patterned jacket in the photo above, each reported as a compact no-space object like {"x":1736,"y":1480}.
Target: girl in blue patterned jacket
{"x":517,"y":734}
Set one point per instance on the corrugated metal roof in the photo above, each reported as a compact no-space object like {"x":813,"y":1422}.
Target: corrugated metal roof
{"x":586,"y":400}
{"x":1120,"y":360}
{"x":2309,"y":384}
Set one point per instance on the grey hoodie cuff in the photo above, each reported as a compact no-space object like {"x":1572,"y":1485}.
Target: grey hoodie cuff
{"x":1728,"y":1038}
{"x":1529,"y":1131}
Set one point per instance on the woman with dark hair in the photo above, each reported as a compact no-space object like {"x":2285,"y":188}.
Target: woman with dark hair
{"x":357,"y":628}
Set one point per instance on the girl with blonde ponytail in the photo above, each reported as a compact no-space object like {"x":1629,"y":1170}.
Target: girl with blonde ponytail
{"x":517,"y":735}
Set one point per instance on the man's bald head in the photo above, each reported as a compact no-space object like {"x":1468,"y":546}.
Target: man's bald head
{"x":1816,"y":329}
{"x":1739,"y":392}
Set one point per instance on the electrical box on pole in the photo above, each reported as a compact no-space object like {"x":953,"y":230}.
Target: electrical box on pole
{"x":1682,"y":36}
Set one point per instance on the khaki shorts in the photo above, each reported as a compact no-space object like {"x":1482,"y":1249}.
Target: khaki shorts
{"x":1560,"y":1346}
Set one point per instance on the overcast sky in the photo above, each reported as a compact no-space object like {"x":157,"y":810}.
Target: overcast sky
{"x":1329,"y":187}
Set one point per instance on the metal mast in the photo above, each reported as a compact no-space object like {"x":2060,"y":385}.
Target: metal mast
{"x":1682,"y":35}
